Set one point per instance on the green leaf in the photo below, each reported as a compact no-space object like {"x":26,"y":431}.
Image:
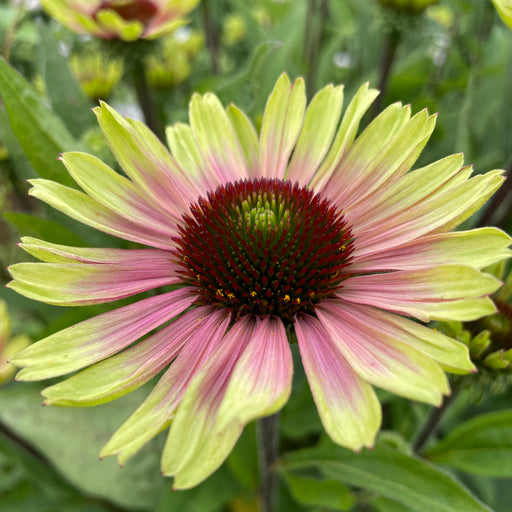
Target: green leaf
{"x":385,"y":505}
{"x":66,"y":97}
{"x":41,"y":133}
{"x":408,"y":480}
{"x":72,"y":438}
{"x":318,"y":492}
{"x":482,"y":446}
{"x":30,"y":225}
{"x":22,"y":166}
{"x":209,"y":496}
{"x":243,"y":459}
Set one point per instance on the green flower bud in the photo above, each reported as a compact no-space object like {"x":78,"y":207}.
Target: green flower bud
{"x":96,"y":75}
{"x":479,"y":344}
{"x":496,"y":361}
{"x":233,"y":29}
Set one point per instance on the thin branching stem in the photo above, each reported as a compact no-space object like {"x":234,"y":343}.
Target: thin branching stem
{"x":146,"y":100}
{"x":433,"y":421}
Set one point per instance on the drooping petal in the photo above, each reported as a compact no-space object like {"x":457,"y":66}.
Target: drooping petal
{"x":437,"y":213}
{"x":216,"y":138}
{"x":320,"y":123}
{"x":451,"y":354}
{"x":77,"y":284}
{"x":347,"y":404}
{"x":373,"y":161}
{"x":477,"y":248}
{"x":100,"y":337}
{"x":281,"y":125}
{"x":364,"y":152}
{"x":409,"y":190}
{"x":420,"y":293}
{"x":345,"y":136}
{"x":55,"y":253}
{"x":117,"y":193}
{"x":157,"y":410}
{"x":195,"y":447}
{"x":146,"y":161}
{"x":86,"y":210}
{"x":261,"y":381}
{"x":128,"y":370}
{"x":380,"y":359}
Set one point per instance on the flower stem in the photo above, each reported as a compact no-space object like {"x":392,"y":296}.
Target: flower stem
{"x":494,"y":212}
{"x":316,"y":17}
{"x":268,"y":443}
{"x":386,"y":64}
{"x":146,"y":101}
{"x":212,"y":36}
{"x":433,"y":421}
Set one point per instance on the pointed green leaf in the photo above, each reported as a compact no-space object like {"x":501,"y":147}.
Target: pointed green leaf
{"x":72,"y":438}
{"x":406,"y":479}
{"x":318,"y":492}
{"x":482,"y":446}
{"x":41,"y":133}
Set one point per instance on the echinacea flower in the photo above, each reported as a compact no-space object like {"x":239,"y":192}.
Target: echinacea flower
{"x":127,"y":20}
{"x":303,"y":232}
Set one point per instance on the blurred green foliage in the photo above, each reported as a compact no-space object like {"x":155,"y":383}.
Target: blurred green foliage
{"x":454,"y":58}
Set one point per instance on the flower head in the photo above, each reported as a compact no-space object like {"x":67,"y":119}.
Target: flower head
{"x":303,"y":232}
{"x":127,"y":20}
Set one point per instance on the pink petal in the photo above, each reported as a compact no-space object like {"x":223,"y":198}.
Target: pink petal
{"x":128,"y":370}
{"x":380,"y":359}
{"x":100,"y":337}
{"x":158,"y":408}
{"x":348,"y":406}
{"x":261,"y":381}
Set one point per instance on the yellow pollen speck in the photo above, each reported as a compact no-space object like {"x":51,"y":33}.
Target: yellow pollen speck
{"x":220,"y":293}
{"x":297,"y":300}
{"x":286,"y":298}
{"x":231,"y":296}
{"x":253,"y":294}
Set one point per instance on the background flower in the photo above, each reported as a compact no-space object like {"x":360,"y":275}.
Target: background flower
{"x":127,"y":20}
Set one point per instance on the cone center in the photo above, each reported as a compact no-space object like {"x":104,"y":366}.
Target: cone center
{"x":264,"y":246}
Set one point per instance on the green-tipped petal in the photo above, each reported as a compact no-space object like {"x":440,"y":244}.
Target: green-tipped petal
{"x":216,"y":138}
{"x":347,"y":404}
{"x":281,"y":125}
{"x":320,"y":123}
{"x":156,"y":412}
{"x":346,"y":134}
{"x":247,"y":137}
{"x":112,"y":23}
{"x":124,"y":372}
